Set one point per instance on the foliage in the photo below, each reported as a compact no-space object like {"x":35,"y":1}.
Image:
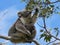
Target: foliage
{"x":46,"y":9}
{"x":47,"y":38}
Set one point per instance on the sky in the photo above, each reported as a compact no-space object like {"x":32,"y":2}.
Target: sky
{"x":8,"y":15}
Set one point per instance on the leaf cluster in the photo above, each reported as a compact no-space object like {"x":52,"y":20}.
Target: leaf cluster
{"x":46,"y":37}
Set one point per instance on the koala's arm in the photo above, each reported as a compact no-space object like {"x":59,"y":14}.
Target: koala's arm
{"x":21,"y":28}
{"x":35,"y":15}
{"x":18,"y":26}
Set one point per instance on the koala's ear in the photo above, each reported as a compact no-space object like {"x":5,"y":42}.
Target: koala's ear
{"x":19,"y":14}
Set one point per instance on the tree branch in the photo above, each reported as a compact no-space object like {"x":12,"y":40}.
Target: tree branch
{"x":9,"y":38}
{"x":49,"y":3}
{"x":47,"y":30}
{"x":40,"y":25}
{"x":52,"y":2}
{"x":5,"y":37}
{"x":35,"y":42}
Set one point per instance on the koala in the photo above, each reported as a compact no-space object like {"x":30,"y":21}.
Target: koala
{"x":23,"y":29}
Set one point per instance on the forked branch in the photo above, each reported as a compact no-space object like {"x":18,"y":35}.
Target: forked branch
{"x":9,"y":38}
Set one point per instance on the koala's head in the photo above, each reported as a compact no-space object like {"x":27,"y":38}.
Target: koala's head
{"x":24,"y":14}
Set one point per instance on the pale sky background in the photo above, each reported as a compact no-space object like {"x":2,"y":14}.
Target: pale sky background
{"x":8,"y":15}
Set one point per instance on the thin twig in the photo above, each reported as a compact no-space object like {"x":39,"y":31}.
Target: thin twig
{"x":40,"y":25}
{"x":50,"y":42}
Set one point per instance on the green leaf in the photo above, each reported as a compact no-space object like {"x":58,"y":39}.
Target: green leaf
{"x":56,"y":28}
{"x":58,"y":13}
{"x":57,"y":31}
{"x":42,"y":35}
{"x":47,"y":38}
{"x":57,"y":7}
{"x":41,"y":30}
{"x":52,"y":5}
